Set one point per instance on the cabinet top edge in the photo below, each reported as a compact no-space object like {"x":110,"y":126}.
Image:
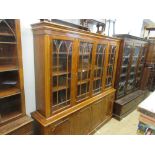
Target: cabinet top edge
{"x":128,"y":36}
{"x":45,"y":25}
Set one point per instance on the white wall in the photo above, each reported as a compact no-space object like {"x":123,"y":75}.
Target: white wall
{"x":133,"y":26}
{"x":28,"y":64}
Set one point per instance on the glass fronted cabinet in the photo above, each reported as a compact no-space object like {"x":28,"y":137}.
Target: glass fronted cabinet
{"x":74,"y":74}
{"x":73,"y":68}
{"x":130,"y":66}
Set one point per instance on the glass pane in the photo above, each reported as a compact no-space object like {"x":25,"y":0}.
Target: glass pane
{"x":140,"y":67}
{"x":84,"y":69}
{"x":132,"y":74}
{"x":98,"y":70}
{"x":121,"y":88}
{"x":61,"y":58}
{"x":110,"y":66}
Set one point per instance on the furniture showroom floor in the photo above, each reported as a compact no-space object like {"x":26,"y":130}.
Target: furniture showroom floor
{"x":127,"y":126}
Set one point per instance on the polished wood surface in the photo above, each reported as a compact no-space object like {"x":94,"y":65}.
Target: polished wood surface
{"x":78,"y":121}
{"x":68,"y":89}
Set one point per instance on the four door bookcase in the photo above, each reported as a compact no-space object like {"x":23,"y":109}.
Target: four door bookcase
{"x":73,"y":67}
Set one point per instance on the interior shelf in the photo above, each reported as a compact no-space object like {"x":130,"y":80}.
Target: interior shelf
{"x":10,"y":116}
{"x":55,"y":89}
{"x":59,"y":73}
{"x":83,"y":69}
{"x":6,"y":34}
{"x":8,"y":43}
{"x":4,"y":68}
{"x":9,"y":92}
{"x":83,"y":81}
{"x":97,"y":78}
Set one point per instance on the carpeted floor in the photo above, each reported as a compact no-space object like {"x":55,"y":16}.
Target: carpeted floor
{"x":127,"y":126}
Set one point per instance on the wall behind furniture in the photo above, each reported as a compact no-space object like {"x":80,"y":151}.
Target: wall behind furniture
{"x":133,"y":26}
{"x":28,"y":63}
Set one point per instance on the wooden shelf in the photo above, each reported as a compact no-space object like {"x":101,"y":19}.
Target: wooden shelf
{"x":121,"y":75}
{"x":9,"y":92}
{"x":84,"y":54}
{"x":126,"y":56}
{"x":97,"y":78}
{"x":55,"y":89}
{"x":60,"y":73}
{"x":124,"y":66}
{"x":83,"y":81}
{"x":98,"y":68}
{"x":83,"y":69}
{"x":10,"y":116}
{"x":8,"y":43}
{"x":8,"y":68}
{"x":6,"y":34}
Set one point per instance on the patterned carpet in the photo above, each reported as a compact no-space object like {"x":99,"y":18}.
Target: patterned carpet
{"x":127,"y":126}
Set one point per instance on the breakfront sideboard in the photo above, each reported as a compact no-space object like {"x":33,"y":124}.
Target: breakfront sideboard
{"x":75,"y":74}
{"x":13,"y":119}
{"x":129,"y":76}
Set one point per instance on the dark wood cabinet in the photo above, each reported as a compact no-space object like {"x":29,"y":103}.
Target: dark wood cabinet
{"x":75,"y":72}
{"x":129,"y":76}
{"x":12,"y":102}
{"x":150,"y":65}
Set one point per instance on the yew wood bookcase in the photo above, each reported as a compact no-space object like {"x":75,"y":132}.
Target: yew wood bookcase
{"x":75,"y":74}
{"x":130,"y":74}
{"x":13,"y":119}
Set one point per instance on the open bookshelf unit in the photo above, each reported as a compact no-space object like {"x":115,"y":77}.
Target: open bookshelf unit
{"x":129,"y":75}
{"x":72,"y":66}
{"x":12,"y":104}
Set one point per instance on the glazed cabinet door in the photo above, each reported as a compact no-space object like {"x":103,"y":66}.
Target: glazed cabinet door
{"x":132,"y":70}
{"x":127,"y":53}
{"x":98,"y":68}
{"x":112,"y":53}
{"x":84,"y":68}
{"x":61,"y":50}
{"x":140,"y":67}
